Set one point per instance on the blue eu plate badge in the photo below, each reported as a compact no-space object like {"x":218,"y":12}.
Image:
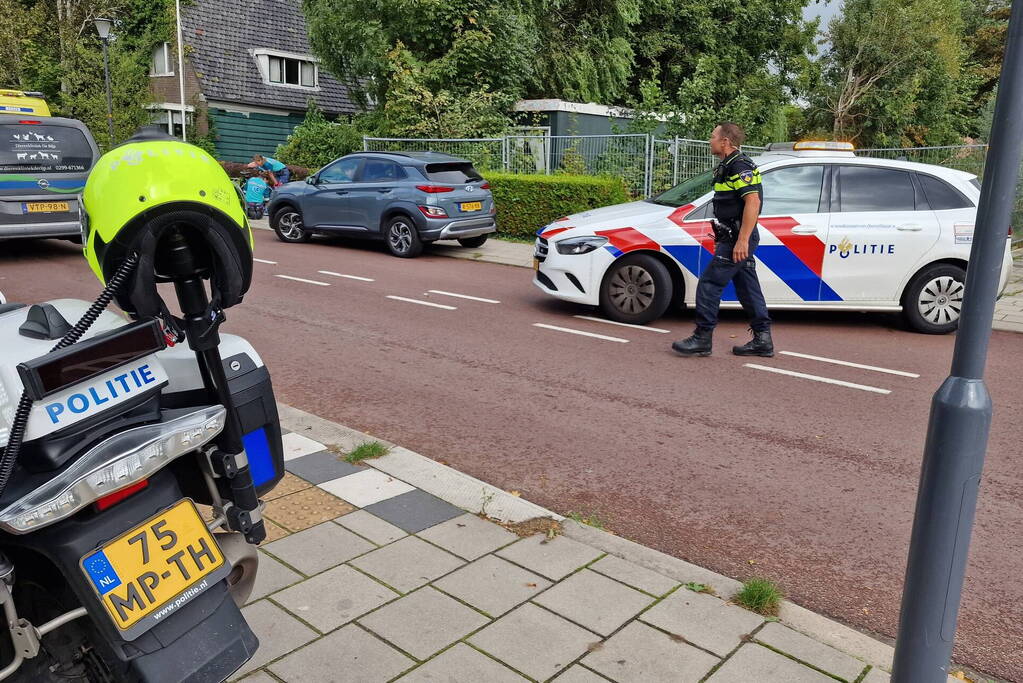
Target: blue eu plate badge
{"x":103,"y":576}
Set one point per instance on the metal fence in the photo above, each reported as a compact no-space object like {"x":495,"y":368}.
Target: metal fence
{"x":647,"y":164}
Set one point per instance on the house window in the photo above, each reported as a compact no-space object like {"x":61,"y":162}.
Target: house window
{"x":161,"y":64}
{"x":291,"y":71}
{"x":170,"y":120}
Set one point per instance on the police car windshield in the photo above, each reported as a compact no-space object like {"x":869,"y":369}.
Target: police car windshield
{"x":686,"y":192}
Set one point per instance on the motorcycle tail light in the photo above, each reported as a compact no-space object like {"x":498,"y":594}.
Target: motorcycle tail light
{"x":115,"y":498}
{"x":111,"y":467}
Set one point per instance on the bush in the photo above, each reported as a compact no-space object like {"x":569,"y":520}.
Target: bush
{"x":234,"y":169}
{"x":316,"y":141}
{"x":526,"y":203}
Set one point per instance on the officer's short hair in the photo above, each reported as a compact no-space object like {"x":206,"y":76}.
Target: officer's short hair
{"x":733,"y":131}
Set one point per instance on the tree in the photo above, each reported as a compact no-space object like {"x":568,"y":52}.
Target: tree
{"x":894,"y":73}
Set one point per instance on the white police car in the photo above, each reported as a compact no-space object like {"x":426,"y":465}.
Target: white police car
{"x":837,"y":231}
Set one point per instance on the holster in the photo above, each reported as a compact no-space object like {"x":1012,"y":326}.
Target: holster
{"x":724,"y":231}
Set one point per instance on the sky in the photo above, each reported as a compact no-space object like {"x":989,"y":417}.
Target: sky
{"x":825,"y":9}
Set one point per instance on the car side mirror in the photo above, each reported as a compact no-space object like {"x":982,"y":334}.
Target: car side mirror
{"x":311,"y":180}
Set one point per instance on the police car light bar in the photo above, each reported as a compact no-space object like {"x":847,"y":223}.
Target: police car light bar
{"x":112,"y":465}
{"x":82,"y":361}
{"x":824,"y":145}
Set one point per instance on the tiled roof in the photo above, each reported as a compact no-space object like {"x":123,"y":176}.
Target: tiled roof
{"x":221,"y":36}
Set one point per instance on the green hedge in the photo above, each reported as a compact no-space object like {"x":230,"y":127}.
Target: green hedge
{"x":526,"y":203}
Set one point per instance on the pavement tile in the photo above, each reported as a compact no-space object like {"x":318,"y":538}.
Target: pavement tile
{"x":555,"y":558}
{"x":424,"y":622}
{"x":462,"y":663}
{"x":810,"y":651}
{"x":468,"y":536}
{"x":334,"y":598}
{"x":317,"y":468}
{"x":703,"y":620}
{"x":492,"y":585}
{"x":259,"y":677}
{"x":304,"y":509}
{"x":407,"y":564}
{"x":876,"y":675}
{"x":273,"y":532}
{"x":278,"y":633}
{"x":594,"y":601}
{"x":757,"y":663}
{"x":348,"y":655}
{"x":296,"y":445}
{"x":639,"y":653}
{"x":532,"y":640}
{"x":371,"y":527}
{"x":271,"y":576}
{"x":414,"y":511}
{"x":288,"y":484}
{"x":321,"y":547}
{"x":579,"y":674}
{"x":634,"y":575}
{"x":365,"y":487}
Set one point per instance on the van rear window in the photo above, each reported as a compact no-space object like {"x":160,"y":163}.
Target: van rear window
{"x":453,"y":173}
{"x":42,"y":148}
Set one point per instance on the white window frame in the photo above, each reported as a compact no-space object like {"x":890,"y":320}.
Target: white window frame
{"x":167,"y":60}
{"x":172,"y":113}
{"x":262,"y":57}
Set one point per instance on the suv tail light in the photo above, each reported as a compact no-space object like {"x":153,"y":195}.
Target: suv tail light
{"x":433,"y":189}
{"x":485,"y":186}
{"x":433,"y":211}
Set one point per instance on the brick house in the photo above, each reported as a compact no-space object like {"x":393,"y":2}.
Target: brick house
{"x":249,"y":74}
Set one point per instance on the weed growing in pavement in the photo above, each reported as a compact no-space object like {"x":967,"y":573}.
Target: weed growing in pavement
{"x":364,"y":451}
{"x":759,"y":595}
{"x":592,"y":519}
{"x":699,"y":587}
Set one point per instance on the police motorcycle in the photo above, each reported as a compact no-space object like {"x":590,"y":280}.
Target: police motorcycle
{"x":116,"y":429}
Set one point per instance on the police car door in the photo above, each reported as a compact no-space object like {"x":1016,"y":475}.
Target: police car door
{"x":880,"y":229}
{"x":793,"y":226}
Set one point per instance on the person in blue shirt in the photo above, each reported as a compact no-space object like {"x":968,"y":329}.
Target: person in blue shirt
{"x":280,"y":171}
{"x":255,"y":194}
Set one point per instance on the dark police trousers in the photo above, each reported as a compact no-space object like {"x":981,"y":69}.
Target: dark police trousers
{"x":718,"y":273}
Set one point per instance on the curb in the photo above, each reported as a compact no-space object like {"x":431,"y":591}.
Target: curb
{"x":477,"y":496}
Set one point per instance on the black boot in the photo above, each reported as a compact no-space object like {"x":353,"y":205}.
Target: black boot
{"x":759,"y":345}
{"x":697,"y":344}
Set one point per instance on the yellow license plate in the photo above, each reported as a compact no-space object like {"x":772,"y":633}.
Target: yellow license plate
{"x":46,"y":207}
{"x":536,"y":264}
{"x":150,"y":572}
{"x":472,"y":206}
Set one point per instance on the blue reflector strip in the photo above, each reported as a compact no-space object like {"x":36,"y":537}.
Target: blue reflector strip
{"x":261,"y":461}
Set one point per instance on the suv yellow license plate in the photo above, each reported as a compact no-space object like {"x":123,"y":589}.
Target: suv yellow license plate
{"x":472,"y":206}
{"x":149,"y":573}
{"x":45,"y":207}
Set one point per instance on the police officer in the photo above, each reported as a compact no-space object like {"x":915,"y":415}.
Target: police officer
{"x":737,"y":199}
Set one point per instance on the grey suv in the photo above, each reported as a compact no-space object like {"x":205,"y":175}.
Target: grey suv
{"x":407,"y":199}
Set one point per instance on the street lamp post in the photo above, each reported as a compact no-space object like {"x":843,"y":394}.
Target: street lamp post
{"x":103,"y":29}
{"x":961,"y":409}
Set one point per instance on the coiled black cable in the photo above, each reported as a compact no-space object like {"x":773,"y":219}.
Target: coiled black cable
{"x":24,"y":409}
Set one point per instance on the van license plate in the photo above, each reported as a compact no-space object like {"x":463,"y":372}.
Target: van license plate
{"x":472,"y":206}
{"x":44,"y":207}
{"x":147,"y":574}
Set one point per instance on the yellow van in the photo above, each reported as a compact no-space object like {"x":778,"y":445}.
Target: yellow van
{"x":19,"y":102}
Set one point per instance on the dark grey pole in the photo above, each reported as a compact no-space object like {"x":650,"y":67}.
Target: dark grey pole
{"x":961,"y":409}
{"x":110,"y":103}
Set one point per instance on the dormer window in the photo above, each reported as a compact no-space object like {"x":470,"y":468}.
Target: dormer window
{"x":161,"y":63}
{"x":288,"y":70}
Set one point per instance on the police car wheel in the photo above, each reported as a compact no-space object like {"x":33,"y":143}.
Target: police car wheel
{"x":288,"y":226}
{"x":934,"y":298}
{"x":403,"y":237}
{"x":636,"y":289}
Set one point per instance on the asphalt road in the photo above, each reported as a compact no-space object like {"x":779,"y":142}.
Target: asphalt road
{"x":739,"y":469}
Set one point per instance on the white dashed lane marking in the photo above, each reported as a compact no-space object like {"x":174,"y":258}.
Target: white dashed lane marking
{"x":581,"y":333}
{"x":302,"y":279}
{"x":463,"y":296}
{"x":350,"y":277}
{"x":612,"y":322}
{"x":817,"y":378}
{"x":422,"y":303}
{"x":263,"y":260}
{"x":846,"y":363}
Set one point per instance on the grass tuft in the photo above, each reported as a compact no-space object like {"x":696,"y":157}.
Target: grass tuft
{"x":364,"y":451}
{"x":591,"y":519}
{"x":699,"y":587}
{"x":759,"y":595}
